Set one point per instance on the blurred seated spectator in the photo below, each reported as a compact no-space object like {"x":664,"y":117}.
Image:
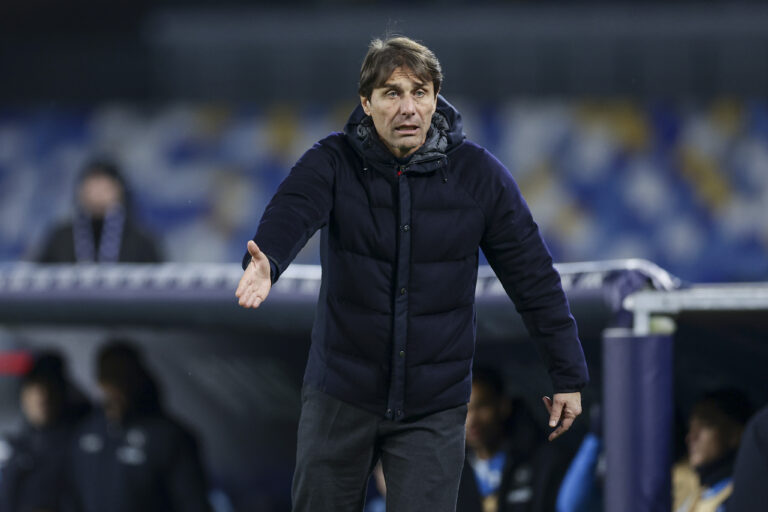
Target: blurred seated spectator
{"x":704,"y":482}
{"x":34,"y":461}
{"x":102,"y":229}
{"x":130,"y":456}
{"x":582,"y":486}
{"x":750,"y":475}
{"x":510,"y":467}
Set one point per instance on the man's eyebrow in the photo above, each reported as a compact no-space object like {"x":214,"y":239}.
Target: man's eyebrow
{"x":418,"y":85}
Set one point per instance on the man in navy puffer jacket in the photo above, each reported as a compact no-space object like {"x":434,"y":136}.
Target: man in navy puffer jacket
{"x":404,"y":203}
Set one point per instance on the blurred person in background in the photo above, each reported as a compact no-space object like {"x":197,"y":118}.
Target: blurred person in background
{"x":102,"y":230}
{"x":130,"y":455}
{"x":582,"y":487}
{"x":405,"y":203}
{"x":33,"y":470}
{"x":509,"y":466}
{"x":715,"y":428}
{"x":750,"y":474}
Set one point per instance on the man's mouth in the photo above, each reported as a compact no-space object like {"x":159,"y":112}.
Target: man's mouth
{"x":407,"y":129}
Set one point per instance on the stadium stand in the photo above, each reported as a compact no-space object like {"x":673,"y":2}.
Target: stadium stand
{"x":682,"y":185}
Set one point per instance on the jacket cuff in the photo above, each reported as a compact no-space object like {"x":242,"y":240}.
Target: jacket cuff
{"x":570,"y":390}
{"x":274,"y":273}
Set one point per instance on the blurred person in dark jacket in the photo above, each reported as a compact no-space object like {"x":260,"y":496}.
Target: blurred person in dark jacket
{"x":33,"y":469}
{"x":750,"y":474}
{"x":715,"y":428}
{"x":130,"y":456}
{"x":404,"y":202}
{"x":509,"y":465}
{"x":102,"y":230}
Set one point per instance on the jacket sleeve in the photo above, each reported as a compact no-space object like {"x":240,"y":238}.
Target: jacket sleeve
{"x":300,"y":207}
{"x":519,"y":257}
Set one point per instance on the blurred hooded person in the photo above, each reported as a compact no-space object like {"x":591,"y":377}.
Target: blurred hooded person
{"x":102,"y":230}
{"x":130,"y":455}
{"x":33,"y":469}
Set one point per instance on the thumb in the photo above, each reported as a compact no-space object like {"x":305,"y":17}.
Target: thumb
{"x":555,"y":412}
{"x":253,"y":249}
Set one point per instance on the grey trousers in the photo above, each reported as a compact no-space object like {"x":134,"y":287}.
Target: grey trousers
{"x":339,"y":444}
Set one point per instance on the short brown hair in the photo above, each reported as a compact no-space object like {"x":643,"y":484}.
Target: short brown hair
{"x":384,"y":57}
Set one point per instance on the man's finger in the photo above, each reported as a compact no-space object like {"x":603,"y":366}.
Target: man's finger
{"x":547,"y":403}
{"x":240,"y":289}
{"x":253,"y":249}
{"x":567,"y":422}
{"x":554,"y":435}
{"x":255,"y":300}
{"x":564,"y":426}
{"x":555,"y":413}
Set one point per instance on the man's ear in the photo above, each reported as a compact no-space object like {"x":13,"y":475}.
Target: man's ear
{"x":436,"y":93}
{"x":366,"y":103}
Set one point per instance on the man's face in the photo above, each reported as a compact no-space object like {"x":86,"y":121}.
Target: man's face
{"x":99,"y":194}
{"x":114,"y":402}
{"x":708,"y":442}
{"x":36,"y":405}
{"x":486,"y":415}
{"x":402,"y":111}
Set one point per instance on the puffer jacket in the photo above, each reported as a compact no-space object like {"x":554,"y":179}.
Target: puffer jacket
{"x":394,"y":330}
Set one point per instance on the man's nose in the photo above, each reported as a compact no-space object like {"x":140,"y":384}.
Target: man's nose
{"x":407,"y":105}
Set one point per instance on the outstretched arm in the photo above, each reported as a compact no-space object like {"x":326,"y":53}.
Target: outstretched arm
{"x":256,"y":282}
{"x":301,"y":206}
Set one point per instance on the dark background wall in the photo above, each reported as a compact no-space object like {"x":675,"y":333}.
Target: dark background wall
{"x":89,"y":51}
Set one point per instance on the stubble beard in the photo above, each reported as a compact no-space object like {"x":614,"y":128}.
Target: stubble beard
{"x":404,"y":149}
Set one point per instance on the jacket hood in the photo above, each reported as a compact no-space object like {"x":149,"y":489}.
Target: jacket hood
{"x":445,"y":134}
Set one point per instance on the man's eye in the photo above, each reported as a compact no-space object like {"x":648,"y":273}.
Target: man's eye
{"x":420,"y":93}
{"x":392,"y":94}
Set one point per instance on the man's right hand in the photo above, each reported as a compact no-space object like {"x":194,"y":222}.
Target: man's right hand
{"x":256,"y":281}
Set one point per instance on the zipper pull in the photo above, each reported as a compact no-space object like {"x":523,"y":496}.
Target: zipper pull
{"x":402,"y":170}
